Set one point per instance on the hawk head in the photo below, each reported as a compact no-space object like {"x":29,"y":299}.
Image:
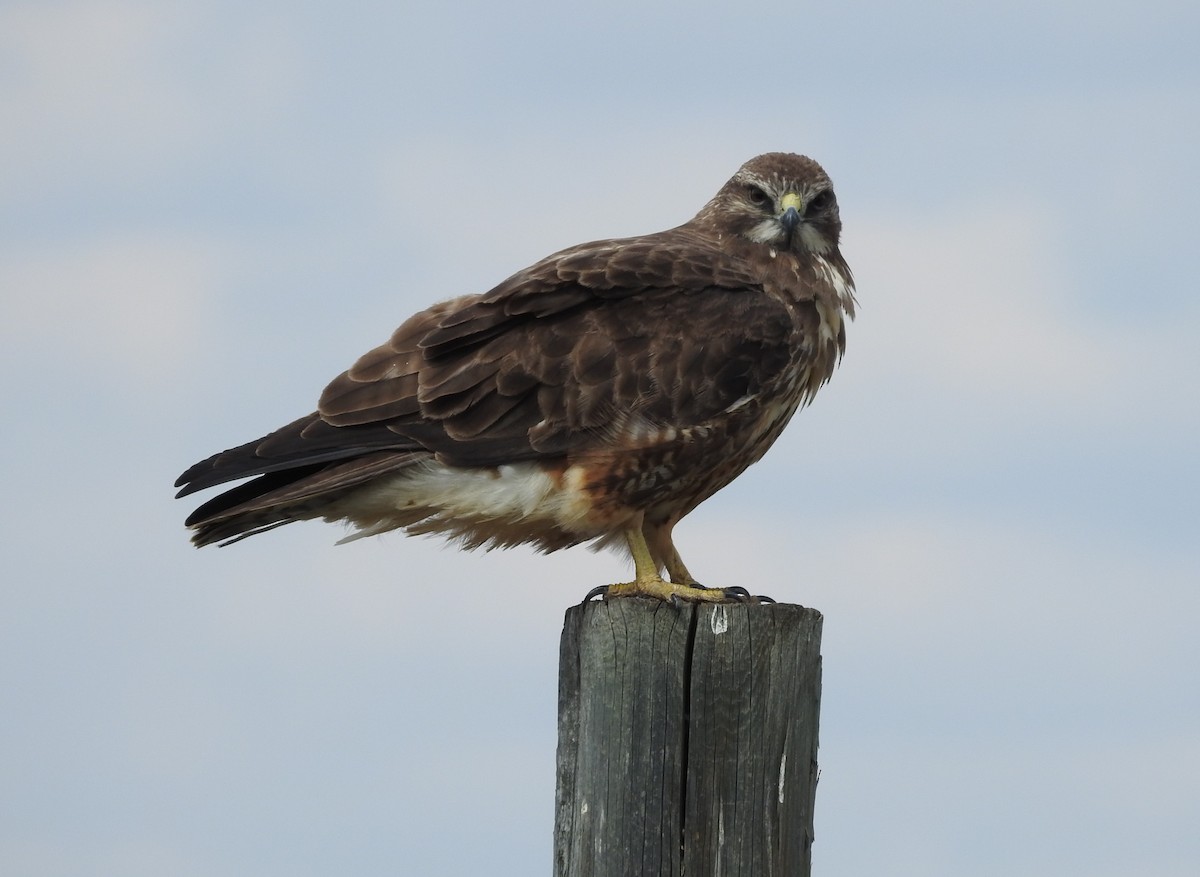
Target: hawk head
{"x":779,"y":199}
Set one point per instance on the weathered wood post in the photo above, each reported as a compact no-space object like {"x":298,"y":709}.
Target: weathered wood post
{"x":687,"y":739}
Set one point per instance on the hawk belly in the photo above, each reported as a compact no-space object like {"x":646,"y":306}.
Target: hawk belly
{"x":498,"y":507}
{"x":596,"y":495}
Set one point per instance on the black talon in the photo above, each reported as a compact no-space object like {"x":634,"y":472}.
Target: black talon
{"x":741,"y":595}
{"x":601,"y":591}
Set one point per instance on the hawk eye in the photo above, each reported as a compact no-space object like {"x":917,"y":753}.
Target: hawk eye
{"x":821,"y":201}
{"x":757,"y":196}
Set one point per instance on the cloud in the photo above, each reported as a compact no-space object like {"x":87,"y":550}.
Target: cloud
{"x":978,"y":305}
{"x":125,"y":302}
{"x":115,"y":91}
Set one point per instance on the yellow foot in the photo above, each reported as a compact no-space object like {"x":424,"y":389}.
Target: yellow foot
{"x":668,"y":591}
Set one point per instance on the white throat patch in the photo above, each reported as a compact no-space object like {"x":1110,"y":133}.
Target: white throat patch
{"x":769,"y":231}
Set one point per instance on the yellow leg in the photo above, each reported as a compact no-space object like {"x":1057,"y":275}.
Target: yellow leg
{"x":647,"y":582}
{"x":662,"y":548}
{"x":676,"y":570}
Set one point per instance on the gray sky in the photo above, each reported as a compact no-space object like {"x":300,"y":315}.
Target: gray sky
{"x":208,"y":210}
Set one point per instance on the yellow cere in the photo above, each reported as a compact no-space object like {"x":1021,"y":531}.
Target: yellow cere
{"x":791,"y":199}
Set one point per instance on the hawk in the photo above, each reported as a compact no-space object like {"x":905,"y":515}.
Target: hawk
{"x":597,"y":396}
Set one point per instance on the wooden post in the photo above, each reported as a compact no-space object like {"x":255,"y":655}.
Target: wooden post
{"x":687,"y":739}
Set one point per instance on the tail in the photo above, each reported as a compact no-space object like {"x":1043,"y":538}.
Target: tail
{"x":302,"y":471}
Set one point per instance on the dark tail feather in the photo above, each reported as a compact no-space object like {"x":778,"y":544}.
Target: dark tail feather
{"x":298,"y":494}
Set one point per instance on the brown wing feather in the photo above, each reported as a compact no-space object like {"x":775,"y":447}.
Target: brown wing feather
{"x":666,"y":330}
{"x":304,"y":442}
{"x":540,"y":387}
{"x":695,"y":345}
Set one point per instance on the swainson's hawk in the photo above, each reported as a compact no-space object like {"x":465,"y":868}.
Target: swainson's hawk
{"x":598,"y":395}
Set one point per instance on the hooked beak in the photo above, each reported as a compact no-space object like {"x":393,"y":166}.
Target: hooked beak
{"x":790,"y":218}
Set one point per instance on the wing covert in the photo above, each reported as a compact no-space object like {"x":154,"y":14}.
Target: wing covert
{"x":515,"y":386}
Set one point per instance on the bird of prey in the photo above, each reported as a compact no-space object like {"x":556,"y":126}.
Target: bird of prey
{"x":598,"y":396}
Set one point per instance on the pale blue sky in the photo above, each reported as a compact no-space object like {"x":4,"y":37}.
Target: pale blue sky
{"x":208,"y":210}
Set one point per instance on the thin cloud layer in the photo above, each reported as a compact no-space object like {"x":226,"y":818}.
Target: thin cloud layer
{"x":127,"y":304}
{"x":206,"y":211}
